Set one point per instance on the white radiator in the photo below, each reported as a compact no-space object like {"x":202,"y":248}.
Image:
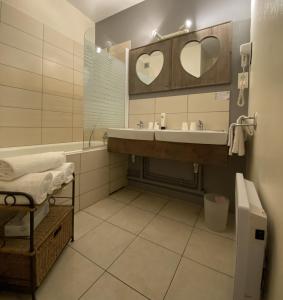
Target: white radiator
{"x":251,"y":234}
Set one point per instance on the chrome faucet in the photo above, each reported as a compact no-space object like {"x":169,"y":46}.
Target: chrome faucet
{"x":105,"y":137}
{"x":200,"y":125}
{"x":140,"y":124}
{"x":90,"y":137}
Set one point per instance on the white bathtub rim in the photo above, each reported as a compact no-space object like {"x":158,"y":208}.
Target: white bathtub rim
{"x":68,"y":148}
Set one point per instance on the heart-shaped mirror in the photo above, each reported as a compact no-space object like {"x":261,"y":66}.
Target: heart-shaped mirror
{"x":148,"y":67}
{"x":198,"y":57}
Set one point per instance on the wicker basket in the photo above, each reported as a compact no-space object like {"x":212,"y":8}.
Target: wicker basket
{"x":51,"y":236}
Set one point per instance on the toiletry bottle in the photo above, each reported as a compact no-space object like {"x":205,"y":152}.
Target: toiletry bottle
{"x":163,"y":121}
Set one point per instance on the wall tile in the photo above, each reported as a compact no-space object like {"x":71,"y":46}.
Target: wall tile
{"x":118,"y":184}
{"x":118,"y":171}
{"x":172,"y":104}
{"x":94,"y":179}
{"x":143,"y":106}
{"x":57,"y":103}
{"x":173,"y":121}
{"x":91,"y":160}
{"x":18,"y":78}
{"x":78,"y":78}
{"x":78,"y":106}
{"x":14,"y":97}
{"x":78,"y":120}
{"x":17,"y":117}
{"x":135,"y":119}
{"x":56,"y":119}
{"x":19,"y":39}
{"x":57,"y":71}
{"x":76,"y":159}
{"x":117,"y":157}
{"x":19,"y":59}
{"x":211,"y":120}
{"x":78,"y":91}
{"x":78,"y":134}
{"x":93,"y":196}
{"x":57,"y":39}
{"x":16,"y":18}
{"x":57,"y":87}
{"x":56,"y":135}
{"x":78,"y":63}
{"x":19,"y":136}
{"x":58,"y":55}
{"x":78,"y":49}
{"x":206,"y":102}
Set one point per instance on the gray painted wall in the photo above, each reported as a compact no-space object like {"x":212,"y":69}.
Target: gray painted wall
{"x":137,"y":23}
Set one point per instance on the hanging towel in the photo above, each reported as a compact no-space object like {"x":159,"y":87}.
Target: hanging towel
{"x":238,"y":135}
{"x":68,"y":170}
{"x":34,"y":184}
{"x":17,"y":166}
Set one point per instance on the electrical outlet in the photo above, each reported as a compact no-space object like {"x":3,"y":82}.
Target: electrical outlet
{"x":243,"y":80}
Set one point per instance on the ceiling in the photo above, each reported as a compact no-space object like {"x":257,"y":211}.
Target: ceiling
{"x":98,"y":10}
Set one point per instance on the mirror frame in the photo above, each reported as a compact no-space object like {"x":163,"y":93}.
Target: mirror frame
{"x":219,"y":73}
{"x":163,"y":81}
{"x":173,"y":76}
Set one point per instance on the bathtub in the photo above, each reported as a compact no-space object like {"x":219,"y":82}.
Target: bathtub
{"x":69,"y":148}
{"x":98,"y":172}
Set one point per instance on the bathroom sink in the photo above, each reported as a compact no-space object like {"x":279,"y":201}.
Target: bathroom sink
{"x":193,"y":137}
{"x":131,"y":134}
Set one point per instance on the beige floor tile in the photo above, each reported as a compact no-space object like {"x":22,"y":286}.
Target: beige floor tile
{"x":69,"y":278}
{"x":150,"y":202}
{"x":212,"y":250}
{"x":196,"y":282}
{"x":84,"y":223}
{"x":146,"y":267}
{"x":105,"y":208}
{"x":110,"y":288}
{"x":168,"y":233}
{"x":125,"y":195}
{"x":229,"y":231}
{"x":132,"y":219}
{"x":103,"y":244}
{"x":182,"y":211}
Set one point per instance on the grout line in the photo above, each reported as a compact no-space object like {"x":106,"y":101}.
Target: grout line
{"x":208,"y":267}
{"x":42,"y":82}
{"x":127,"y":284}
{"x":15,"y":27}
{"x":181,"y":257}
{"x":137,"y":236}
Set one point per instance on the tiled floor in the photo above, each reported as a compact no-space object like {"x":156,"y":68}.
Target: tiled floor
{"x":137,"y":245}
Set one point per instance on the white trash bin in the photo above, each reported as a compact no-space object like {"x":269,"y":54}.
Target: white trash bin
{"x":216,"y":209}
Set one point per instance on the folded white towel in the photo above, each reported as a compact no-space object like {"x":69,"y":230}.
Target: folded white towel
{"x":17,"y":166}
{"x":68,"y":170}
{"x":34,"y":184}
{"x":57,"y":180}
{"x":238,"y":135}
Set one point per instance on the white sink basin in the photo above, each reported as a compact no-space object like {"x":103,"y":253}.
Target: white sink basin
{"x":131,"y":134}
{"x":193,"y":137}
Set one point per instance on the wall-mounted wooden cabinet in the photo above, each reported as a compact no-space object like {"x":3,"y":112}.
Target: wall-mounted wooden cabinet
{"x":199,"y":58}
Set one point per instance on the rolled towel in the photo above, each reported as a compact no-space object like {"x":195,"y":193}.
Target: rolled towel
{"x":57,"y":180}
{"x":68,"y":170}
{"x":17,"y":166}
{"x":34,"y":184}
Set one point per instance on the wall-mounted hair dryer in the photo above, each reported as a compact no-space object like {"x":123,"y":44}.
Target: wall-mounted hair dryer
{"x":243,"y":78}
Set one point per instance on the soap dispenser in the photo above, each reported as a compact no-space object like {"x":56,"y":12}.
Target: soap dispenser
{"x":163,"y":121}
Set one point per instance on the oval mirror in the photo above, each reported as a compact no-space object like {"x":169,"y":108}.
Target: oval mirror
{"x":198,"y":57}
{"x":148,"y":67}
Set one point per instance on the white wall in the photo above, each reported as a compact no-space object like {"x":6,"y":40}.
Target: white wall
{"x":265,"y":163}
{"x":58,"y":14}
